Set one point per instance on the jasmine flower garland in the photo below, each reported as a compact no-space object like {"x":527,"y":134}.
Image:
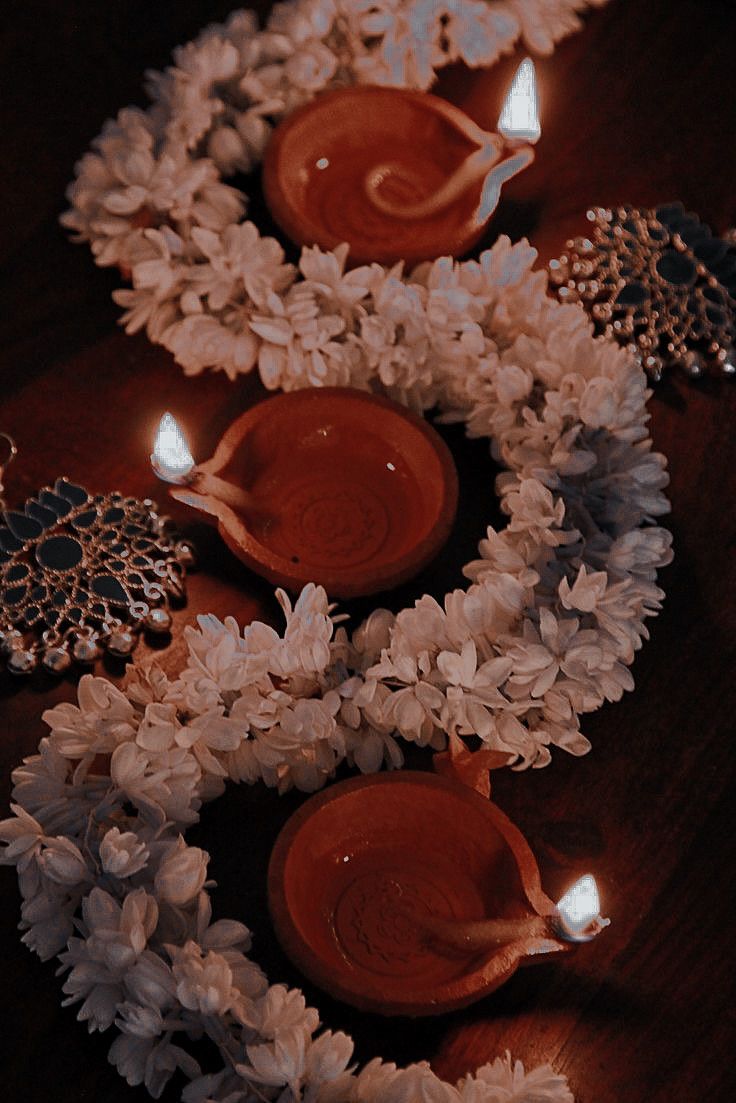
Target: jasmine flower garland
{"x":150,"y":197}
{"x":544,"y":632}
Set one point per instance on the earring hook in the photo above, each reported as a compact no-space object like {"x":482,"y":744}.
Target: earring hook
{"x":12,"y":452}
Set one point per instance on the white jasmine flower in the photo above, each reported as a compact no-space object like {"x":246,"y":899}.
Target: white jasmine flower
{"x":641,"y":551}
{"x":217,"y":1085}
{"x":62,"y":862}
{"x":47,"y":911}
{"x":418,"y":1084}
{"x":23,"y":835}
{"x":203,"y":983}
{"x":129,"y":1054}
{"x":371,"y":1082}
{"x":536,"y":656}
{"x":586,"y":591}
{"x":598,"y":403}
{"x":122,"y":854}
{"x":225,"y":934}
{"x":141,"y":1061}
{"x":105,"y":718}
{"x":240,"y":261}
{"x":311,"y":67}
{"x":299,"y":342}
{"x":44,"y":787}
{"x":211,"y":731}
{"x":181,"y":874}
{"x":327,"y":1057}
{"x":149,"y":982}
{"x":200,"y":341}
{"x":370,"y":748}
{"x":162,"y":785}
{"x":501,"y":553}
{"x":278,"y":1063}
{"x":373,"y":635}
{"x":228,"y":150}
{"x":534,"y":511}
{"x":504,"y":1081}
{"x":542,"y":25}
{"x":142,"y":686}
{"x":284,"y":1009}
{"x":479,"y":33}
{"x":304,"y":21}
{"x":472,"y":691}
{"x":250,"y":981}
{"x":308,"y":632}
{"x":325,"y":273}
{"x":115,"y":937}
{"x":143,"y":1022}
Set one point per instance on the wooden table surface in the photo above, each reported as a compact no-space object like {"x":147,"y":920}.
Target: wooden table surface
{"x":640,"y":107}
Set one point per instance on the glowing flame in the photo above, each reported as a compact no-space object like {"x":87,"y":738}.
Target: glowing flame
{"x":519,"y":118}
{"x":171,"y":458}
{"x":579,"y":910}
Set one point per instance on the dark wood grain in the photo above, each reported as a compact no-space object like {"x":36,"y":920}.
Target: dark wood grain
{"x":640,"y":107}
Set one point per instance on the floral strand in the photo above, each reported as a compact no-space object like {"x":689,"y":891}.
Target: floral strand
{"x":151,"y":198}
{"x":545,"y":631}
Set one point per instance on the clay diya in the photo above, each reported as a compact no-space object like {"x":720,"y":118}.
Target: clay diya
{"x":411,"y":894}
{"x":328,"y":485}
{"x":397,"y":174}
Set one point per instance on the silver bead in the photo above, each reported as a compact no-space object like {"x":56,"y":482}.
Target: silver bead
{"x":557,"y":275}
{"x":86,"y":649}
{"x":158,"y":621}
{"x":159,"y":523}
{"x":692,"y":363}
{"x":602,"y":312}
{"x":727,"y":361}
{"x":57,"y":660}
{"x":568,"y":295}
{"x":121,"y":642}
{"x":654,"y":367}
{"x":185,"y":553}
{"x":21,"y":661}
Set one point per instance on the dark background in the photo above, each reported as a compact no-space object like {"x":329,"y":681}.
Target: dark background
{"x":640,"y":107}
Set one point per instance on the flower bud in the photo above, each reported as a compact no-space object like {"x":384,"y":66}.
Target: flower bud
{"x":122,"y":854}
{"x":63,"y":863}
{"x":181,"y":874}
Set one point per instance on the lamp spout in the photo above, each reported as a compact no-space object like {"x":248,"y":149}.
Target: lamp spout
{"x":469,"y":172}
{"x":518,"y":130}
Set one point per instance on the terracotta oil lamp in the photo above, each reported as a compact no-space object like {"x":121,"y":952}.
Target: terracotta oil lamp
{"x":429,"y":898}
{"x":397,"y":174}
{"x":328,"y":485}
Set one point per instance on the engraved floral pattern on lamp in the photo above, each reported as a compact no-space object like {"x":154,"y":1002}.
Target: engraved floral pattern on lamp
{"x":340,"y":526}
{"x":376,"y":920}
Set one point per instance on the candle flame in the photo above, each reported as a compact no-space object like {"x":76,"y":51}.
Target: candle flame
{"x":579,"y":911}
{"x":519,"y":118}
{"x":171,"y":459}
